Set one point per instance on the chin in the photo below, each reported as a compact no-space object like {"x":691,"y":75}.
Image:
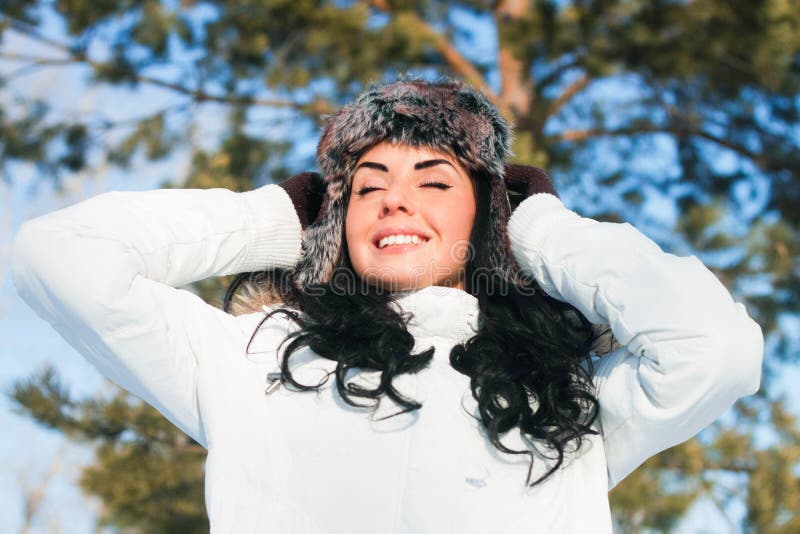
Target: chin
{"x":409,"y":281}
{"x":394,"y":283}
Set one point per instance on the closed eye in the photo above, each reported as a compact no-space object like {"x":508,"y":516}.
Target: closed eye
{"x":438,"y":185}
{"x":364,"y":190}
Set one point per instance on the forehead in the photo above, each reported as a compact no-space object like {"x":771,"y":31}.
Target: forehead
{"x":389,"y":144}
{"x":394,"y":154}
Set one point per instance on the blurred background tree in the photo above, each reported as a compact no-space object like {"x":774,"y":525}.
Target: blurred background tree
{"x":680,"y":117}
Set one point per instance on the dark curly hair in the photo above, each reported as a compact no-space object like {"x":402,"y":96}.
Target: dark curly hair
{"x":529,"y":363}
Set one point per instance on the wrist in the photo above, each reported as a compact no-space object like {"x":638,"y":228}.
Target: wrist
{"x":531,"y":222}
{"x":306,"y":192}
{"x":273,"y":229}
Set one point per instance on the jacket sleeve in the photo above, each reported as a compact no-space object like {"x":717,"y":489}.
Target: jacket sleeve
{"x":689,"y":350}
{"x":104,"y":273}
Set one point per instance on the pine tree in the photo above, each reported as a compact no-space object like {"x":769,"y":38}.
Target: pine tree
{"x":692,"y":104}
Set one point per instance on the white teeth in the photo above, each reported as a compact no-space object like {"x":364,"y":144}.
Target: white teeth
{"x":400,"y":240}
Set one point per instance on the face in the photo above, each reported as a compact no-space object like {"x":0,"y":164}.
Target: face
{"x":409,"y":218}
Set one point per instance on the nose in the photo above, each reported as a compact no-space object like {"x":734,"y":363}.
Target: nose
{"x":398,"y":199}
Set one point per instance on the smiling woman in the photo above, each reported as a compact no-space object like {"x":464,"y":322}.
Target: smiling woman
{"x":409,"y":218}
{"x":469,"y":338}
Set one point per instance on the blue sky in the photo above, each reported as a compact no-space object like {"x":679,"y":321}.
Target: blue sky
{"x":27,"y":343}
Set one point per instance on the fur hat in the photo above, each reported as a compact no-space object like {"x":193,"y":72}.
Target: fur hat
{"x":447,"y":116}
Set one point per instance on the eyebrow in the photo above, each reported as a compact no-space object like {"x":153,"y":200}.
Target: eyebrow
{"x":417,"y":166}
{"x":430,"y":163}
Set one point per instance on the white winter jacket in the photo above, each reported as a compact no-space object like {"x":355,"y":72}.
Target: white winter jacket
{"x":105,"y":274}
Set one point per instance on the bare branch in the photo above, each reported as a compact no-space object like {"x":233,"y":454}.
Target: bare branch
{"x":591,"y":133}
{"x":34,"y":494}
{"x":33,"y":64}
{"x":517,"y":94}
{"x":202,"y":96}
{"x":319,"y":106}
{"x":733,"y":468}
{"x":105,"y":123}
{"x":461,"y":65}
{"x":727,"y":144}
{"x":720,"y":506}
{"x":33,"y":33}
{"x":33,"y":59}
{"x":574,"y":88}
{"x":556,"y":73}
{"x":674,"y":115}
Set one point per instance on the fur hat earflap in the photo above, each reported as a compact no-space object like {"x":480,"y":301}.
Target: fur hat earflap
{"x":446,"y":116}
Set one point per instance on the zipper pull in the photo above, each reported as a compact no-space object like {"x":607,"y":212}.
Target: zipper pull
{"x":273,"y":382}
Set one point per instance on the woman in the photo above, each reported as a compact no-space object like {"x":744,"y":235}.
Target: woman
{"x":464,"y":334}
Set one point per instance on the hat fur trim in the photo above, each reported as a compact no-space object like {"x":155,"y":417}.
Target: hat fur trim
{"x":446,"y":116}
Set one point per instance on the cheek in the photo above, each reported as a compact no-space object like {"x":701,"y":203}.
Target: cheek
{"x":351,"y":221}
{"x":456,"y":222}
{"x":348,"y":229}
{"x":354,"y":231}
{"x":462,"y":218}
{"x":468,"y":223}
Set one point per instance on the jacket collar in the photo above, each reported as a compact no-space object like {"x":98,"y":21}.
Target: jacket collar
{"x":438,"y":311}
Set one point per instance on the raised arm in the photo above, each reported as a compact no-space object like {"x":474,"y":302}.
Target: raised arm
{"x":690,"y":350}
{"x":103,"y":273}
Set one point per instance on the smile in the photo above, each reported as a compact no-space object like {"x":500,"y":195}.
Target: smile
{"x":393,"y":240}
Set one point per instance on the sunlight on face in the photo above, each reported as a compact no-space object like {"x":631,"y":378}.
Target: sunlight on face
{"x":409,"y":218}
